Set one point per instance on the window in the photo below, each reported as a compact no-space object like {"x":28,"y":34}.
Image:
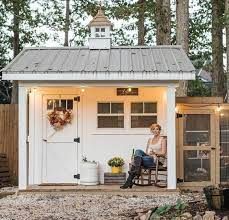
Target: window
{"x":100,"y":32}
{"x":110,"y":115}
{"x":59,"y":104}
{"x":143,"y":114}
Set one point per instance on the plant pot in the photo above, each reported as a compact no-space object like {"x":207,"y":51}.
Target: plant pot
{"x":89,"y":173}
{"x":116,"y":169}
{"x":214,"y":197}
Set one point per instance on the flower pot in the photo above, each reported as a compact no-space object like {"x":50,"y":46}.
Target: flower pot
{"x":89,"y":173}
{"x":116,"y":169}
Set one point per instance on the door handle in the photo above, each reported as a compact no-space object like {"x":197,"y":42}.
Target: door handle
{"x":213,"y":148}
{"x":44,"y":140}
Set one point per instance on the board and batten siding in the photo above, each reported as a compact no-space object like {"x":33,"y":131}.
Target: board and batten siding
{"x":96,"y":143}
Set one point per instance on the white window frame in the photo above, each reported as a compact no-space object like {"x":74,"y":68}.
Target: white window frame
{"x":111,"y":114}
{"x":141,"y":114}
{"x":100,"y":33}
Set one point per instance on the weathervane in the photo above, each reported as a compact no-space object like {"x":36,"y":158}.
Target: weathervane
{"x":100,"y":4}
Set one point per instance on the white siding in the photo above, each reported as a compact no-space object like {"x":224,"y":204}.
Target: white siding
{"x":102,"y":144}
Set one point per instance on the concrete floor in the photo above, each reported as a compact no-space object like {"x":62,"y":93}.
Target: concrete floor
{"x":96,"y":188}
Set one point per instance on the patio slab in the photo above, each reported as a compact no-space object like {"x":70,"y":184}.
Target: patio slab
{"x":97,"y":188}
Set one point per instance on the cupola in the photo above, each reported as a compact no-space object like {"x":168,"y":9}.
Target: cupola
{"x":100,"y":28}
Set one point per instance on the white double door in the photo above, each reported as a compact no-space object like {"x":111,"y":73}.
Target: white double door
{"x":60,"y":147}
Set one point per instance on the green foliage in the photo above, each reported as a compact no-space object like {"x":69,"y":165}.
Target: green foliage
{"x":200,"y":24}
{"x":198,"y":88}
{"x":116,"y":162}
{"x":164,"y":210}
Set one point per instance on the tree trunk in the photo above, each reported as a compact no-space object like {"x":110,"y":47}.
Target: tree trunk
{"x":16,"y":8}
{"x":66,"y":30}
{"x":182,"y":29}
{"x":163,"y":22}
{"x":218,"y":88}
{"x":227,"y":43}
{"x":141,"y":22}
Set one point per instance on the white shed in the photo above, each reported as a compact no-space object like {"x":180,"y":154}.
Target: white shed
{"x":112,"y":93}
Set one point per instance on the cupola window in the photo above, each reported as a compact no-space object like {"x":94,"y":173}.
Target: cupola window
{"x":100,"y":32}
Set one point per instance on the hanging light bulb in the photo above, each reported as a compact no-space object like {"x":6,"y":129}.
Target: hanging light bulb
{"x":176,"y":109}
{"x":218,"y":108}
{"x":82,"y":90}
{"x":129,"y":89}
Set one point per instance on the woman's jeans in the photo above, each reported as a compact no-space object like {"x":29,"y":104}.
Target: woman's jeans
{"x":146,"y":159}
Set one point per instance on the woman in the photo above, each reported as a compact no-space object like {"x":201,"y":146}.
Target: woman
{"x":156,"y":146}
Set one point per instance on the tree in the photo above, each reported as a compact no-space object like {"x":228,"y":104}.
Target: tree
{"x":227,"y":43}
{"x":182,"y":30}
{"x":141,"y":22}
{"x":21,"y":31}
{"x":163,"y":22}
{"x":217,"y":48}
{"x":66,"y":23}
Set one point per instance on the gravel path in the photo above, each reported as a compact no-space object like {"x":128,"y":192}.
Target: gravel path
{"x":83,"y":206}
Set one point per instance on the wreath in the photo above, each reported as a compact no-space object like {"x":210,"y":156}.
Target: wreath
{"x":58,"y":119}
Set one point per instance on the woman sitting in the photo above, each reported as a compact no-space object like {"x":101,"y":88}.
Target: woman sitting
{"x":156,"y":146}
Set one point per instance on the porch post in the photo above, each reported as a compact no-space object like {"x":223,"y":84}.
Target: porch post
{"x":22,"y":134}
{"x":171,"y":140}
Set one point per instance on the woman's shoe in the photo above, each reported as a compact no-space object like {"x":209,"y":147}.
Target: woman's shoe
{"x":126,"y":185}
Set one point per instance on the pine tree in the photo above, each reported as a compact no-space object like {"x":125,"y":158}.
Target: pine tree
{"x":182,"y":38}
{"x":163,"y":22}
{"x":217,"y":48}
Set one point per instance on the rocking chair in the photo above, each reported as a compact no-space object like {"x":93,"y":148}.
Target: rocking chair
{"x":153,"y":176}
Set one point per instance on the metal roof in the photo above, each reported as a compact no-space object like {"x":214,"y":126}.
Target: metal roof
{"x":120,"y":62}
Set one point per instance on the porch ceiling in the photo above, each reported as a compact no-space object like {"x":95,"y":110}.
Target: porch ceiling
{"x":117,"y":63}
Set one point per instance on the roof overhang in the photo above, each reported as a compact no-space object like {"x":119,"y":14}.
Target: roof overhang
{"x":98,"y":76}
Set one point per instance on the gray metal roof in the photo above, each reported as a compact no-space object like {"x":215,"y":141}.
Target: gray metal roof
{"x":118,"y":60}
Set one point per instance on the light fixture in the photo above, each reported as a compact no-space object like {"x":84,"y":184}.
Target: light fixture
{"x":218,"y":108}
{"x":82,"y":90}
{"x":34,"y":89}
{"x":176,"y":109}
{"x":129,"y":89}
{"x":221,"y":114}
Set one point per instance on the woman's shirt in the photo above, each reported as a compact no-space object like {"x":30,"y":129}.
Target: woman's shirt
{"x":156,"y":148}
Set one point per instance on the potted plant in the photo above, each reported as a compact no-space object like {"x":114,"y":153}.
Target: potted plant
{"x":116,"y":164}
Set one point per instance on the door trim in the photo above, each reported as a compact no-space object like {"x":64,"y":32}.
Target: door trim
{"x":79,"y":132}
{"x":214,"y":163}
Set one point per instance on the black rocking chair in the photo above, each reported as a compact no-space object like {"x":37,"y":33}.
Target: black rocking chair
{"x":152,"y":176}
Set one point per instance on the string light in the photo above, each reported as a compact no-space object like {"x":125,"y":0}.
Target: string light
{"x":176,"y":109}
{"x":218,"y":108}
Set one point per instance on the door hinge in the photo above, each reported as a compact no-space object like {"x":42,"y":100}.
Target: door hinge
{"x":77,"y":140}
{"x":77,"y":98}
{"x":77,"y":176}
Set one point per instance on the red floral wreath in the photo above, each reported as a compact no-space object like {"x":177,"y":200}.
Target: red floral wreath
{"x":58,"y":119}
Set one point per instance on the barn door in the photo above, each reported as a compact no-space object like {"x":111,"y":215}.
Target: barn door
{"x":60,"y":150}
{"x":197,"y":147}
